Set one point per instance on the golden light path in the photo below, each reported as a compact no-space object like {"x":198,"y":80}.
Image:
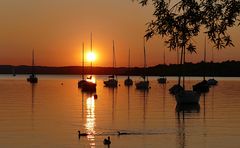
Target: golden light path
{"x":90,"y":120}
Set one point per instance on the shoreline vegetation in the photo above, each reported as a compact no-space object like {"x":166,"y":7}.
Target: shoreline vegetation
{"x":225,"y":69}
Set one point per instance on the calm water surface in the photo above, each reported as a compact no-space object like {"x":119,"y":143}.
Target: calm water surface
{"x":49,"y":114}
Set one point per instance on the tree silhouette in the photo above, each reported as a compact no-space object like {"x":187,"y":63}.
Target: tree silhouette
{"x":181,"y":20}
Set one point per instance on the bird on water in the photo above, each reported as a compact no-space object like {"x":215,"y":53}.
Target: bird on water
{"x":81,"y":134}
{"x":107,"y":141}
{"x":121,"y":133}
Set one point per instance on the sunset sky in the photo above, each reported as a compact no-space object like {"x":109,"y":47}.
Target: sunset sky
{"x":56,"y":30}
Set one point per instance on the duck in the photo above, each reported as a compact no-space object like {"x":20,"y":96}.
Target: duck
{"x":107,"y":141}
{"x":121,"y":133}
{"x":81,"y":134}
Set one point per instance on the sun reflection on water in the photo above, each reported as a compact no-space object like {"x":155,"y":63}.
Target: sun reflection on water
{"x":90,"y":120}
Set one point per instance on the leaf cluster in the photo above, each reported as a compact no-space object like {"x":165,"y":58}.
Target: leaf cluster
{"x":179,"y":21}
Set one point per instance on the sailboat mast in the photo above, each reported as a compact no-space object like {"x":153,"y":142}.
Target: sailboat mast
{"x":83,"y":61}
{"x":128,"y":62}
{"x":114,"y":62}
{"x":33,"y":61}
{"x":145,"y":61}
{"x":177,"y":55}
{"x":91,"y":53}
{"x":184,"y":58}
{"x":205,"y":47}
{"x":164,"y":58}
{"x":212,"y":56}
{"x":113,"y":54}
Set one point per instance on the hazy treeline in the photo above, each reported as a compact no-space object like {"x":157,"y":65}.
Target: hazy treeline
{"x":227,"y":68}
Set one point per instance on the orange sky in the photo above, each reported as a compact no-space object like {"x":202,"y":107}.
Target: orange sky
{"x":57,"y":28}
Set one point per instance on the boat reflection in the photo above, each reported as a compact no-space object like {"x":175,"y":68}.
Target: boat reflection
{"x":187,"y":110}
{"x":33,"y":85}
{"x":90,"y":120}
{"x":113,"y":92}
{"x":33,"y":95}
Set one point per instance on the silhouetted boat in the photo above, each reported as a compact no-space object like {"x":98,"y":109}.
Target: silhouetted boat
{"x":32,"y":77}
{"x":81,"y":82}
{"x":212,"y":81}
{"x":128,"y":81}
{"x":143,"y":85}
{"x":112,"y":82}
{"x":175,"y":89}
{"x":202,"y":87}
{"x":183,"y":96}
{"x":13,"y":72}
{"x":163,"y":79}
{"x":86,"y":85}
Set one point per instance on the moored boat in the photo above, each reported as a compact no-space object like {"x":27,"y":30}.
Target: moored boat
{"x":144,"y":84}
{"x":112,"y":82}
{"x":32,"y":77}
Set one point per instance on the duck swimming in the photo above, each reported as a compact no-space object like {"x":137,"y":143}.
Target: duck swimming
{"x":107,"y":141}
{"x":81,"y":134}
{"x":122,"y":133}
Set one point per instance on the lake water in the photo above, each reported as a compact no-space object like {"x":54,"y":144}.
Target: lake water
{"x":49,"y":114}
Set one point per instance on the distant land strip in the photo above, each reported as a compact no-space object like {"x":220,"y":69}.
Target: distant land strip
{"x":226,"y":68}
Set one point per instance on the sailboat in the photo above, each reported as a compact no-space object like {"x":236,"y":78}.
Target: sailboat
{"x":212,"y":81}
{"x":177,"y":87}
{"x":185,"y":96}
{"x":32,"y":77}
{"x":163,"y":79}
{"x":81,"y":82}
{"x":128,"y":81}
{"x":143,"y":85}
{"x":86,"y":85}
{"x":202,"y":87}
{"x":112,"y":82}
{"x":13,"y":72}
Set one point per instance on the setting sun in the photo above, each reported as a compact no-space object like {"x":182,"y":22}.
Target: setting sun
{"x":91,"y":56}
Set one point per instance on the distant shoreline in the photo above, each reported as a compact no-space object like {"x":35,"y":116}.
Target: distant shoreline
{"x":223,"y":69}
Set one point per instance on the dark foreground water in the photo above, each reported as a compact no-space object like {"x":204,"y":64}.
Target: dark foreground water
{"x":49,"y":114}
